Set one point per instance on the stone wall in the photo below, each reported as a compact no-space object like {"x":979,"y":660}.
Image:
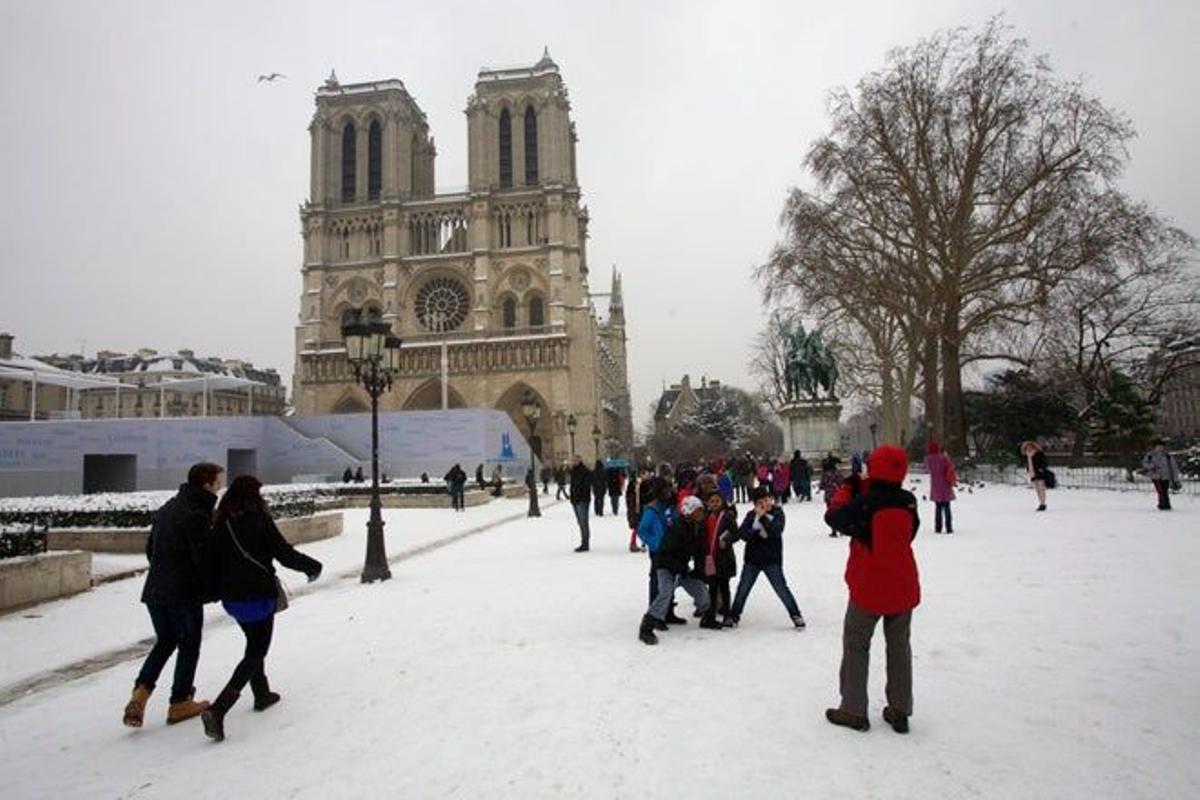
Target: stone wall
{"x":34,"y":579}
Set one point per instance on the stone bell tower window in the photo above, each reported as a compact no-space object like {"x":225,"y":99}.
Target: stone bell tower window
{"x":506,"y":176}
{"x":531,"y":147}
{"x":349,"y":162}
{"x":374,"y":160}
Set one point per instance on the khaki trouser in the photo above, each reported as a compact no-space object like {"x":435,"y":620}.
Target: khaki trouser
{"x":856,"y":658}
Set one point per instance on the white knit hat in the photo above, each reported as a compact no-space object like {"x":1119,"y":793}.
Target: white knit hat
{"x":690,"y":504}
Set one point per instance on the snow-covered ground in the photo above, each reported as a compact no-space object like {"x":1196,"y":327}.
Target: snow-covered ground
{"x":1055,"y":656}
{"x":53,"y":635}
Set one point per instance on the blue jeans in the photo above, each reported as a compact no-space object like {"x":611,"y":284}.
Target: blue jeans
{"x":581,"y":516}
{"x":774,"y":573}
{"x":177,"y":627}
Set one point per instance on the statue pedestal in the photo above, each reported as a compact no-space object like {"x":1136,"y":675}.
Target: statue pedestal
{"x":811,"y":426}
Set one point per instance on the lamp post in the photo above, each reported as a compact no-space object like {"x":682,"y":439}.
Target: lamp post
{"x":531,"y":410}
{"x":596,"y":439}
{"x":572,"y":423}
{"x":374,"y":354}
{"x":874,"y":427}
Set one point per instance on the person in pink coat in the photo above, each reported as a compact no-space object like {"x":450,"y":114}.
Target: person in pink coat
{"x":942,"y":480}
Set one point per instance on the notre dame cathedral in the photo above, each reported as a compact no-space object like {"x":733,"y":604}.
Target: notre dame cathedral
{"x":487,"y":287}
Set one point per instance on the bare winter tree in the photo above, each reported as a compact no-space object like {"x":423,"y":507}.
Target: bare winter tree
{"x":768,"y":362}
{"x":957,"y":175}
{"x":1127,"y":312}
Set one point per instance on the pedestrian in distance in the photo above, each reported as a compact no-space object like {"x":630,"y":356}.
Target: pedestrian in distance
{"x":762,"y":531}
{"x":497,"y":481}
{"x":801,"y":477}
{"x":678,"y":563}
{"x":245,"y":543}
{"x":560,"y":483}
{"x":479,"y":480}
{"x":881,"y":573}
{"x":456,"y":484}
{"x":599,"y":484}
{"x":1038,"y":470}
{"x":781,"y":482}
{"x":831,"y":479}
{"x":358,"y":475}
{"x":942,"y":480}
{"x":348,"y":475}
{"x":1160,"y":467}
{"x":633,"y":508}
{"x":547,"y":475}
{"x":615,"y":478}
{"x":175,"y":592}
{"x":581,"y":497}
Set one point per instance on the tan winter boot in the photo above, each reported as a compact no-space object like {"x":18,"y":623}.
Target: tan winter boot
{"x":185,"y":709}
{"x":135,"y":709}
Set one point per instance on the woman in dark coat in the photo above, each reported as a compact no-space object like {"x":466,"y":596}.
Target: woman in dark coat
{"x":243,"y":544}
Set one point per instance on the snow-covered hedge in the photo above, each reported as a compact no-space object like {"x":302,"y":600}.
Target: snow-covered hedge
{"x":136,"y":509}
{"x":1189,"y":462}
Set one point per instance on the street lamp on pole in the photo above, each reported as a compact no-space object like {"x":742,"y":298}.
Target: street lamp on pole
{"x":532,"y":411}
{"x":374,"y":355}
{"x":572,"y":424}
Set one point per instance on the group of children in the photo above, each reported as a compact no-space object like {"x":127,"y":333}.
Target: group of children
{"x":690,"y":530}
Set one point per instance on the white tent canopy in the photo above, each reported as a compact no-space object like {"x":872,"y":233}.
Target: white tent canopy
{"x":35,"y":373}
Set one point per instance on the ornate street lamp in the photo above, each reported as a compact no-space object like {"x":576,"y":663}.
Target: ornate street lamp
{"x":374,"y":354}
{"x":532,"y":411}
{"x":572,"y":423}
{"x":596,"y":439}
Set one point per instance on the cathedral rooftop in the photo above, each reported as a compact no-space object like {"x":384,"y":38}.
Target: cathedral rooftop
{"x":331,"y":88}
{"x":544,"y":66}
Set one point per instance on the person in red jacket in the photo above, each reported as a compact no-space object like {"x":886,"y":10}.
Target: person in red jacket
{"x":881,"y":572}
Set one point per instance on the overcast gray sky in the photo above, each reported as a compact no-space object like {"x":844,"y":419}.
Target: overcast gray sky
{"x":150,"y":185}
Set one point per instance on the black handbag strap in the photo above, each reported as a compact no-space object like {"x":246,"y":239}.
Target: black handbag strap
{"x":241,"y":549}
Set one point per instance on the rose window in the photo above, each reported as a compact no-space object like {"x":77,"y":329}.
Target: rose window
{"x":442,"y":305}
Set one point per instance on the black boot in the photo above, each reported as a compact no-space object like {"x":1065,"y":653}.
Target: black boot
{"x":646,"y":631}
{"x":264,"y":698}
{"x":214,"y":716}
{"x":673,"y":618}
{"x":709,"y":620}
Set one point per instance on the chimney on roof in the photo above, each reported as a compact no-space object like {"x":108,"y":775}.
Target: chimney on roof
{"x":147,"y":352}
{"x":186,"y":353}
{"x":6,"y":340}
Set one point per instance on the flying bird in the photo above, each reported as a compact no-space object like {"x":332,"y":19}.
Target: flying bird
{"x":271,"y":78}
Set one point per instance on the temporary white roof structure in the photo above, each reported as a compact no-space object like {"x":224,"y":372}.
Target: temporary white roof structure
{"x":36,"y":372}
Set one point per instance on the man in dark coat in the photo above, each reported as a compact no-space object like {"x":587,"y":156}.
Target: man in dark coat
{"x":456,"y":482}
{"x":174,"y":594}
{"x":581,"y":497}
{"x":599,"y":483}
{"x":881,"y":572}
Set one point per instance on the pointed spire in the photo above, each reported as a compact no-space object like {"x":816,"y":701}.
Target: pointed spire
{"x":546,"y":60}
{"x":616,"y":301}
{"x":332,"y":81}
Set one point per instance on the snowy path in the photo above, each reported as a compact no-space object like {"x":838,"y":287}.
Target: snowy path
{"x":1055,"y":656}
{"x":109,"y":618}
